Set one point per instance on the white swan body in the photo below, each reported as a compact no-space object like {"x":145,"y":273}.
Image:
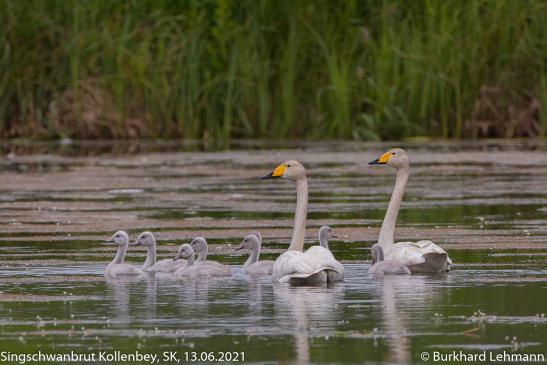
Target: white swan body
{"x":422,"y":256}
{"x":117,"y":268}
{"x":315,"y":266}
{"x":151,"y":265}
{"x":253,"y":266}
{"x":425,"y":253}
{"x":198,"y":269}
{"x":381,"y":267}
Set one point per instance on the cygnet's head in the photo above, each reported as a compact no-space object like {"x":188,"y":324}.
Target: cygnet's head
{"x":326,"y":233}
{"x":185,"y":251}
{"x":377,"y":253}
{"x":145,"y":239}
{"x":119,"y":238}
{"x":396,"y":158}
{"x":199,"y":244}
{"x":291,"y":169}
{"x":250,"y":242}
{"x":258,"y":235}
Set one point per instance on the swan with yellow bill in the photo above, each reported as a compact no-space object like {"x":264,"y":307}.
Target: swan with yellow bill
{"x":421,"y":256}
{"x":315,"y":266}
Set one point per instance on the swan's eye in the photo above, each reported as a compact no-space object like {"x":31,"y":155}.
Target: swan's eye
{"x":288,"y":165}
{"x":393,"y":153}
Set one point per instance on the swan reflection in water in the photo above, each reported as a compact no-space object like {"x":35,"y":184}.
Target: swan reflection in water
{"x":120,"y":289}
{"x":304,"y":311}
{"x":398,"y":297}
{"x":300,"y":309}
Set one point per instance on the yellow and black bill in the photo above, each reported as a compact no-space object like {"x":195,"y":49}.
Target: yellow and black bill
{"x":382,"y":160}
{"x":278,"y":172}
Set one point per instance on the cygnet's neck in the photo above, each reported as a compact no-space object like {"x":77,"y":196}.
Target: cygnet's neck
{"x":120,"y":255}
{"x":190,"y":260}
{"x":202,"y":256}
{"x":253,"y":257}
{"x":323,"y":241}
{"x":150,"y":255}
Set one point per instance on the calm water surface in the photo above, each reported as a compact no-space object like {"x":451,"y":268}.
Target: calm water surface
{"x":57,"y":204}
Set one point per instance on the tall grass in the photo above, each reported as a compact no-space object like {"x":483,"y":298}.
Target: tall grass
{"x":224,"y":69}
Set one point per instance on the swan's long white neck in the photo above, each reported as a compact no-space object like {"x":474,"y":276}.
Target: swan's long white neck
{"x":253,"y":257}
{"x":150,"y":255}
{"x":202,"y":256}
{"x":299,"y":230}
{"x":388,"y":226}
{"x":120,"y":255}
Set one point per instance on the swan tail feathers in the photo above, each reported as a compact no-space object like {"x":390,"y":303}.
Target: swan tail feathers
{"x":434,"y":262}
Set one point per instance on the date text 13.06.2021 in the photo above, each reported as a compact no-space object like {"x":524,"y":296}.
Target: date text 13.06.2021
{"x":210,"y":356}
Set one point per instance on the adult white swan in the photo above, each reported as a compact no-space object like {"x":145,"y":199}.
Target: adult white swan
{"x":117,"y":268}
{"x":253,"y":266}
{"x":316,"y":265}
{"x":148,"y":240}
{"x":421,"y":256}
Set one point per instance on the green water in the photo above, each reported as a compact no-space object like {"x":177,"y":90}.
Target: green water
{"x":54,"y":212}
{"x":392,"y":319}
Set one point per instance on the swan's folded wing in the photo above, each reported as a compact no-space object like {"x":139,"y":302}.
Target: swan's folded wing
{"x":407,"y":253}
{"x":290,"y":263}
{"x":324,"y":259}
{"x":412,"y":253}
{"x":203,"y":269}
{"x":122,"y":270}
{"x":431,"y":247}
{"x":210,"y":262}
{"x":167,"y":265}
{"x":296,"y":264}
{"x":260,"y":267}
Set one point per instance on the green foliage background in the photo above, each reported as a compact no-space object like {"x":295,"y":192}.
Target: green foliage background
{"x":270,"y":69}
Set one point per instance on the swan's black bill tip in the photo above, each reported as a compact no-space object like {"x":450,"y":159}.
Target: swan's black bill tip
{"x":376,"y":162}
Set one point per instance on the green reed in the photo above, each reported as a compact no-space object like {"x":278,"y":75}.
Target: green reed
{"x":224,"y":69}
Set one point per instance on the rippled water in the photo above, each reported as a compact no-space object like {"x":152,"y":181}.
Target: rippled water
{"x":486,"y":204}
